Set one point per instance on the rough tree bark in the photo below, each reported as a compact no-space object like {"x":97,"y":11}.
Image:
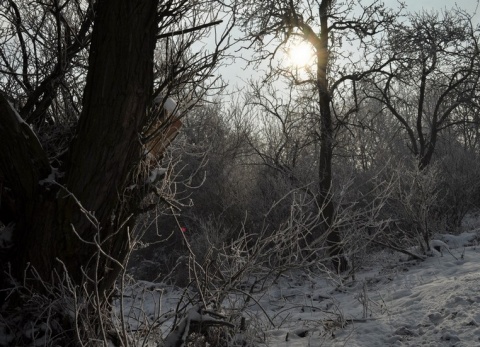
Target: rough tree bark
{"x":64,"y":222}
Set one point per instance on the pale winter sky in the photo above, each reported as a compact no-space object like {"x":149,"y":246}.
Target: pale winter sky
{"x":237,"y":73}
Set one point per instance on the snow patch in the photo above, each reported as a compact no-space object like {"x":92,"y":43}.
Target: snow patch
{"x":52,"y":178}
{"x":156,"y":175}
{"x":22,"y":122}
{"x":462,"y":240}
{"x":170,"y":105}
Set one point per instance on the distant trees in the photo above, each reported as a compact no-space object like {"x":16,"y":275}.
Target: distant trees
{"x":421,"y":109}
{"x":432,"y":78}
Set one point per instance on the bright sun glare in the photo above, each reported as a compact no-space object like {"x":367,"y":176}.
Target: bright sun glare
{"x":300,"y":54}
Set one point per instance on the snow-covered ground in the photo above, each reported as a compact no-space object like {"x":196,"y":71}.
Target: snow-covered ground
{"x":432,"y":303}
{"x":392,"y":302}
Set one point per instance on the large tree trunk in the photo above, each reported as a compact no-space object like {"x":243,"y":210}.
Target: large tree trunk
{"x":63,"y":224}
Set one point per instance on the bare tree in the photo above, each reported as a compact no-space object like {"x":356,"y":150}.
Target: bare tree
{"x":326,"y":25}
{"x":433,"y":78}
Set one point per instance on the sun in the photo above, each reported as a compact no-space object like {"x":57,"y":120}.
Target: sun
{"x":300,"y":54}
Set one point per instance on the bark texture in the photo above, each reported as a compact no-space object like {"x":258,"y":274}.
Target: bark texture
{"x":65,"y":223}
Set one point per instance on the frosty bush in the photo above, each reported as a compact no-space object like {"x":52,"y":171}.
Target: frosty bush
{"x":362,"y":198}
{"x":416,"y":205}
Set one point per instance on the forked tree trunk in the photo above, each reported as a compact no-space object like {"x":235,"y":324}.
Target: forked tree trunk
{"x":63,"y":223}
